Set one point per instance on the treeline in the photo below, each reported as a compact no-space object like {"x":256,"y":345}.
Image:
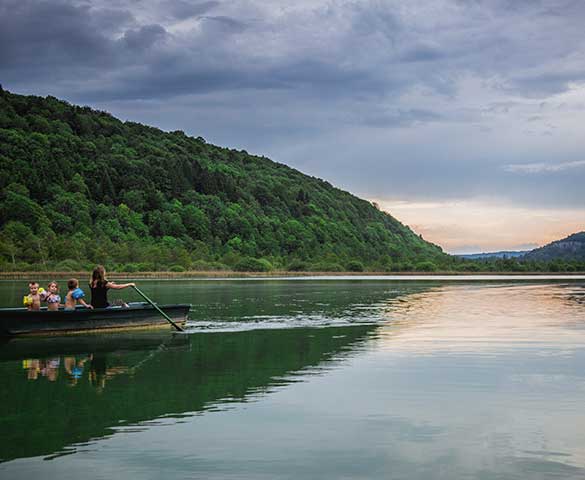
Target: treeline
{"x":520,"y":264}
{"x":81,"y":187}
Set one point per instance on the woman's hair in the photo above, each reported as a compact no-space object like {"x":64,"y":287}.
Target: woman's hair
{"x":98,"y":276}
{"x":72,"y":283}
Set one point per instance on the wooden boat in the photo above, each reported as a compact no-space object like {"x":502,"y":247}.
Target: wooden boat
{"x":20,"y":321}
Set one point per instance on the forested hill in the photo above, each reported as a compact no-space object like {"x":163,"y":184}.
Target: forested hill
{"x":569,"y":248}
{"x":80,"y":187}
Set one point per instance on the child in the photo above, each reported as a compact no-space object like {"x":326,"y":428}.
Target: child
{"x":74,"y":295}
{"x":32,"y":301}
{"x":52,"y":297}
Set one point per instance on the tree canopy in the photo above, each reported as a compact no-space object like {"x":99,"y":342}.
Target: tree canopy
{"x":81,"y":187}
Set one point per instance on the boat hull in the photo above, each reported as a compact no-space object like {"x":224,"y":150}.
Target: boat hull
{"x":19,"y":321}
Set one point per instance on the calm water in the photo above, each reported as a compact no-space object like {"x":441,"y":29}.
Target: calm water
{"x":309,"y":379}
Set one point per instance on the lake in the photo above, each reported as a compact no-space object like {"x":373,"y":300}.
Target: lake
{"x":309,"y":378}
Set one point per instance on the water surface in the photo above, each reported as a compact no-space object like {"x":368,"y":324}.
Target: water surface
{"x":338,"y":378}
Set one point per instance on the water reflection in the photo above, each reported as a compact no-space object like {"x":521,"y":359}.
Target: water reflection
{"x":48,"y":368}
{"x":130,"y":379}
{"x":94,"y":369}
{"x":421,"y":381}
{"x":486,"y":319}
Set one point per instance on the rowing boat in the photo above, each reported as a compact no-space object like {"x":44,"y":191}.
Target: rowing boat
{"x":138,"y":315}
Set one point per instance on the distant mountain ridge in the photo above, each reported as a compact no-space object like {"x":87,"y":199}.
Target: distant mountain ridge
{"x":501,"y":254}
{"x":569,"y":248}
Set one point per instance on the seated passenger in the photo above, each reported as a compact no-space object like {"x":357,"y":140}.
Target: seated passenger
{"x":32,"y":301}
{"x":99,"y":288}
{"x":74,"y":295}
{"x":52,"y":297}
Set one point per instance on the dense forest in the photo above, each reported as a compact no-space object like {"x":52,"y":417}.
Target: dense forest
{"x":80,"y":187}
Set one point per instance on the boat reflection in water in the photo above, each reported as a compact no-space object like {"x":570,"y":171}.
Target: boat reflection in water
{"x":75,"y":369}
{"x":48,"y":368}
{"x":69,"y":357}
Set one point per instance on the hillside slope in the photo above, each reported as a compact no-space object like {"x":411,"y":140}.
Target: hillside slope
{"x":80,"y":186}
{"x":569,"y":248}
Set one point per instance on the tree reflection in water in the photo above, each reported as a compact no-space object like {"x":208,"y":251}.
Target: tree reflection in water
{"x":135,"y":378}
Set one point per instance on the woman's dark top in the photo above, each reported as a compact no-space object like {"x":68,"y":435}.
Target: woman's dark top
{"x":99,"y":295}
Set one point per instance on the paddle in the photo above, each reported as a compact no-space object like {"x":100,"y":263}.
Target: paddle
{"x":159,"y":310}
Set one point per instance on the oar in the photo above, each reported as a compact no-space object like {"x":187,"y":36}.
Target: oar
{"x":159,"y":310}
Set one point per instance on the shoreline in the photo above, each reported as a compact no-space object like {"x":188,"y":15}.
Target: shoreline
{"x":273,"y":274}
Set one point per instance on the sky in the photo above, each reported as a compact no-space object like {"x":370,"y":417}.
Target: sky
{"x":462,"y":118}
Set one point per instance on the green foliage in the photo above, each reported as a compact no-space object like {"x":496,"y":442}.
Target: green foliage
{"x":297,"y":266}
{"x":68,"y":265}
{"x":176,"y":268}
{"x":203,"y":266}
{"x":355,"y":266}
{"x":327,"y":267}
{"x":426,"y":267}
{"x":131,"y":267}
{"x":471,"y":267}
{"x":249,"y":264}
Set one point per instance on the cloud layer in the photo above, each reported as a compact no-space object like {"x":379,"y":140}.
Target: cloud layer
{"x":421,"y":101}
{"x":544,"y":167}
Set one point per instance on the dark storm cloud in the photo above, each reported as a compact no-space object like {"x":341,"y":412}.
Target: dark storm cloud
{"x":331,"y":51}
{"x":183,"y":10}
{"x":170,"y":75}
{"x":41,"y":39}
{"x":371,"y":18}
{"x":422,"y":53}
{"x":144,"y":37}
{"x":549,"y":83}
{"x":53,"y":34}
{"x":413,"y":98}
{"x":401,"y":118}
{"x":232,"y":25}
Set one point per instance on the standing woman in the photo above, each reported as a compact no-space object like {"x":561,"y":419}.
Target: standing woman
{"x":99,"y":287}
